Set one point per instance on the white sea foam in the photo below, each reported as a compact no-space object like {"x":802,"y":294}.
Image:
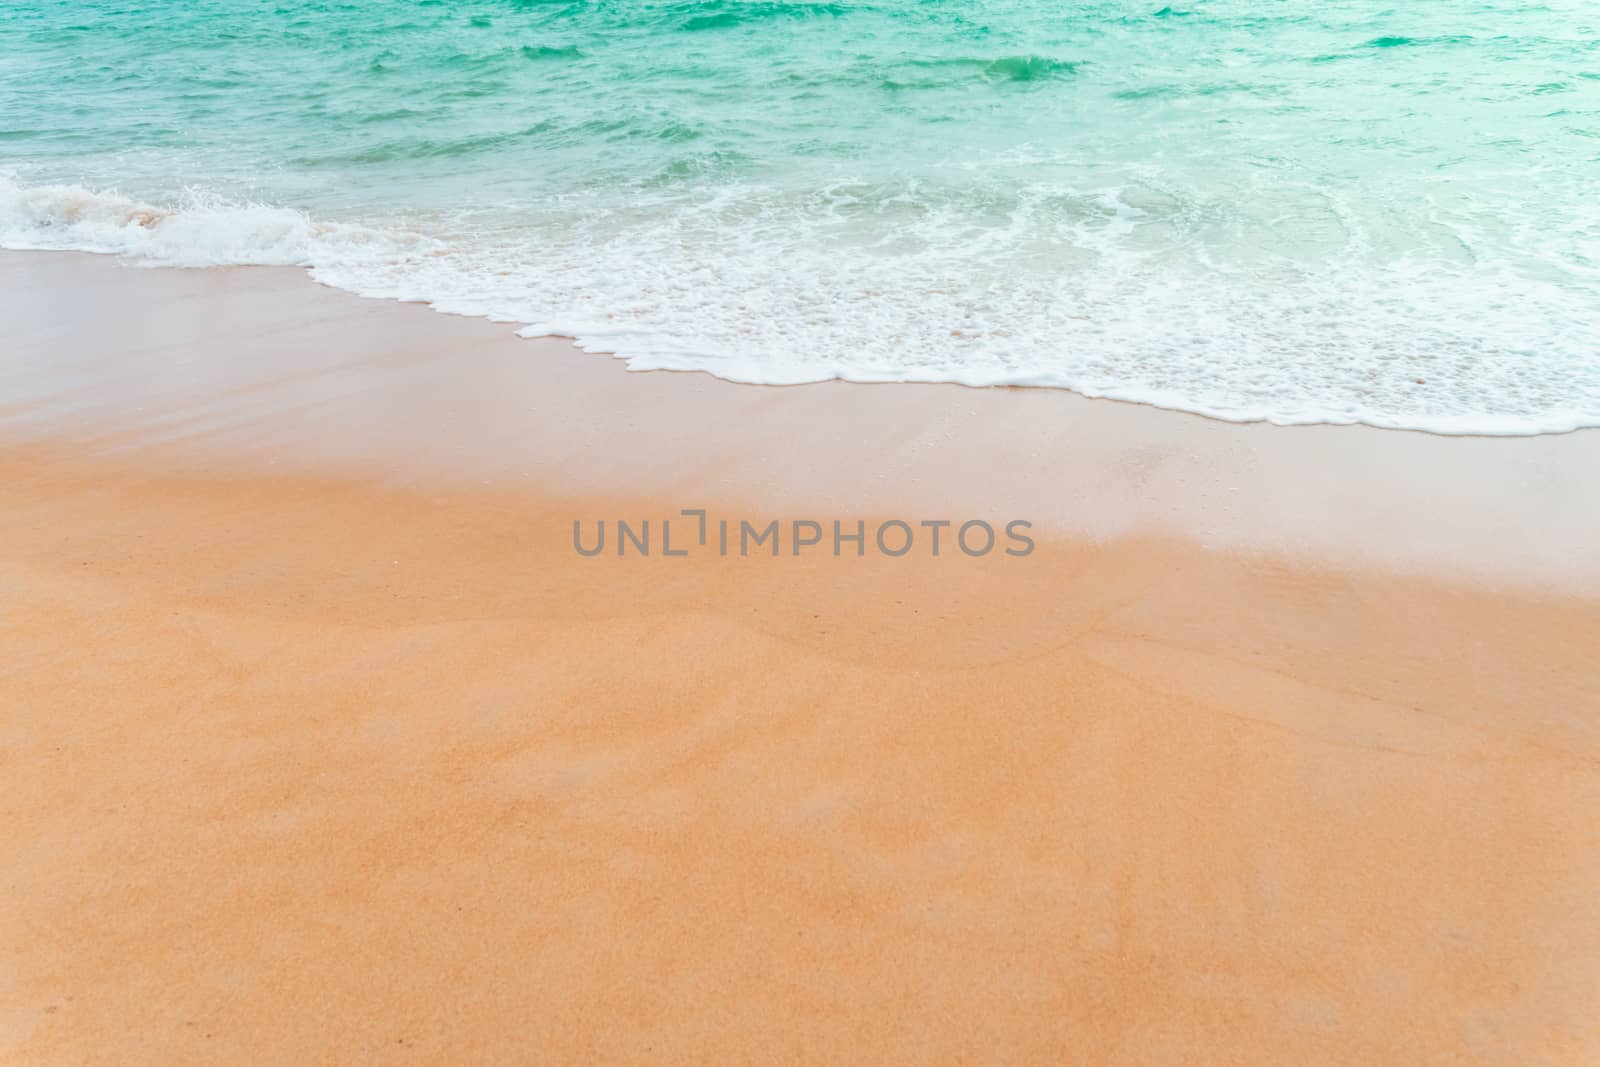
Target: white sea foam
{"x":1119,"y":292}
{"x":199,"y":231}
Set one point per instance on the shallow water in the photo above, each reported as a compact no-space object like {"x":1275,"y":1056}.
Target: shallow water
{"x":1301,"y":212}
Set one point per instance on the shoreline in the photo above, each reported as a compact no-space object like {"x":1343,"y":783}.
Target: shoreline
{"x":520,"y":329}
{"x":318,"y":380}
{"x":323,"y":744}
{"x":295,"y":240}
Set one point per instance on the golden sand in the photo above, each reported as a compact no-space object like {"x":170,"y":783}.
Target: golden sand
{"x":309,"y":767}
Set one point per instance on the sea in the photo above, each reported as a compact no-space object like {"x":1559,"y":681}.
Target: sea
{"x":1283,"y":210}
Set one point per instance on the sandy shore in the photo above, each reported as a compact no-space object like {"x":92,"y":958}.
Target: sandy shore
{"x":322,"y":744}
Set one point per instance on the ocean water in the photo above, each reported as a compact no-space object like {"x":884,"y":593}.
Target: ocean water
{"x":1341,"y":211}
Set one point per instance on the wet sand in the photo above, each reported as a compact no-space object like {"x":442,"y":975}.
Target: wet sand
{"x":322,"y":744}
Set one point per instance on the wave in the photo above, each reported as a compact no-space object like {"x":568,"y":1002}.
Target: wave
{"x":200,"y":235}
{"x":754,"y":285}
{"x":1411,"y":42}
{"x":200,"y":231}
{"x":721,"y":17}
{"x":546,"y":51}
{"x":944,"y":71}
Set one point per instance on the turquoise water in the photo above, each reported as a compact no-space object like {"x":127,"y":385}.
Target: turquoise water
{"x":1331,"y":212}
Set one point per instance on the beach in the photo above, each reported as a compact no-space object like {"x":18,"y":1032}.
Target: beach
{"x":322,"y":741}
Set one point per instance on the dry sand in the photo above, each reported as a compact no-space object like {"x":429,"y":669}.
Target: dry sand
{"x":320,"y":744}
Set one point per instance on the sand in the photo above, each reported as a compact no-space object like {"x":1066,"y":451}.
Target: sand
{"x":321,"y":744}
